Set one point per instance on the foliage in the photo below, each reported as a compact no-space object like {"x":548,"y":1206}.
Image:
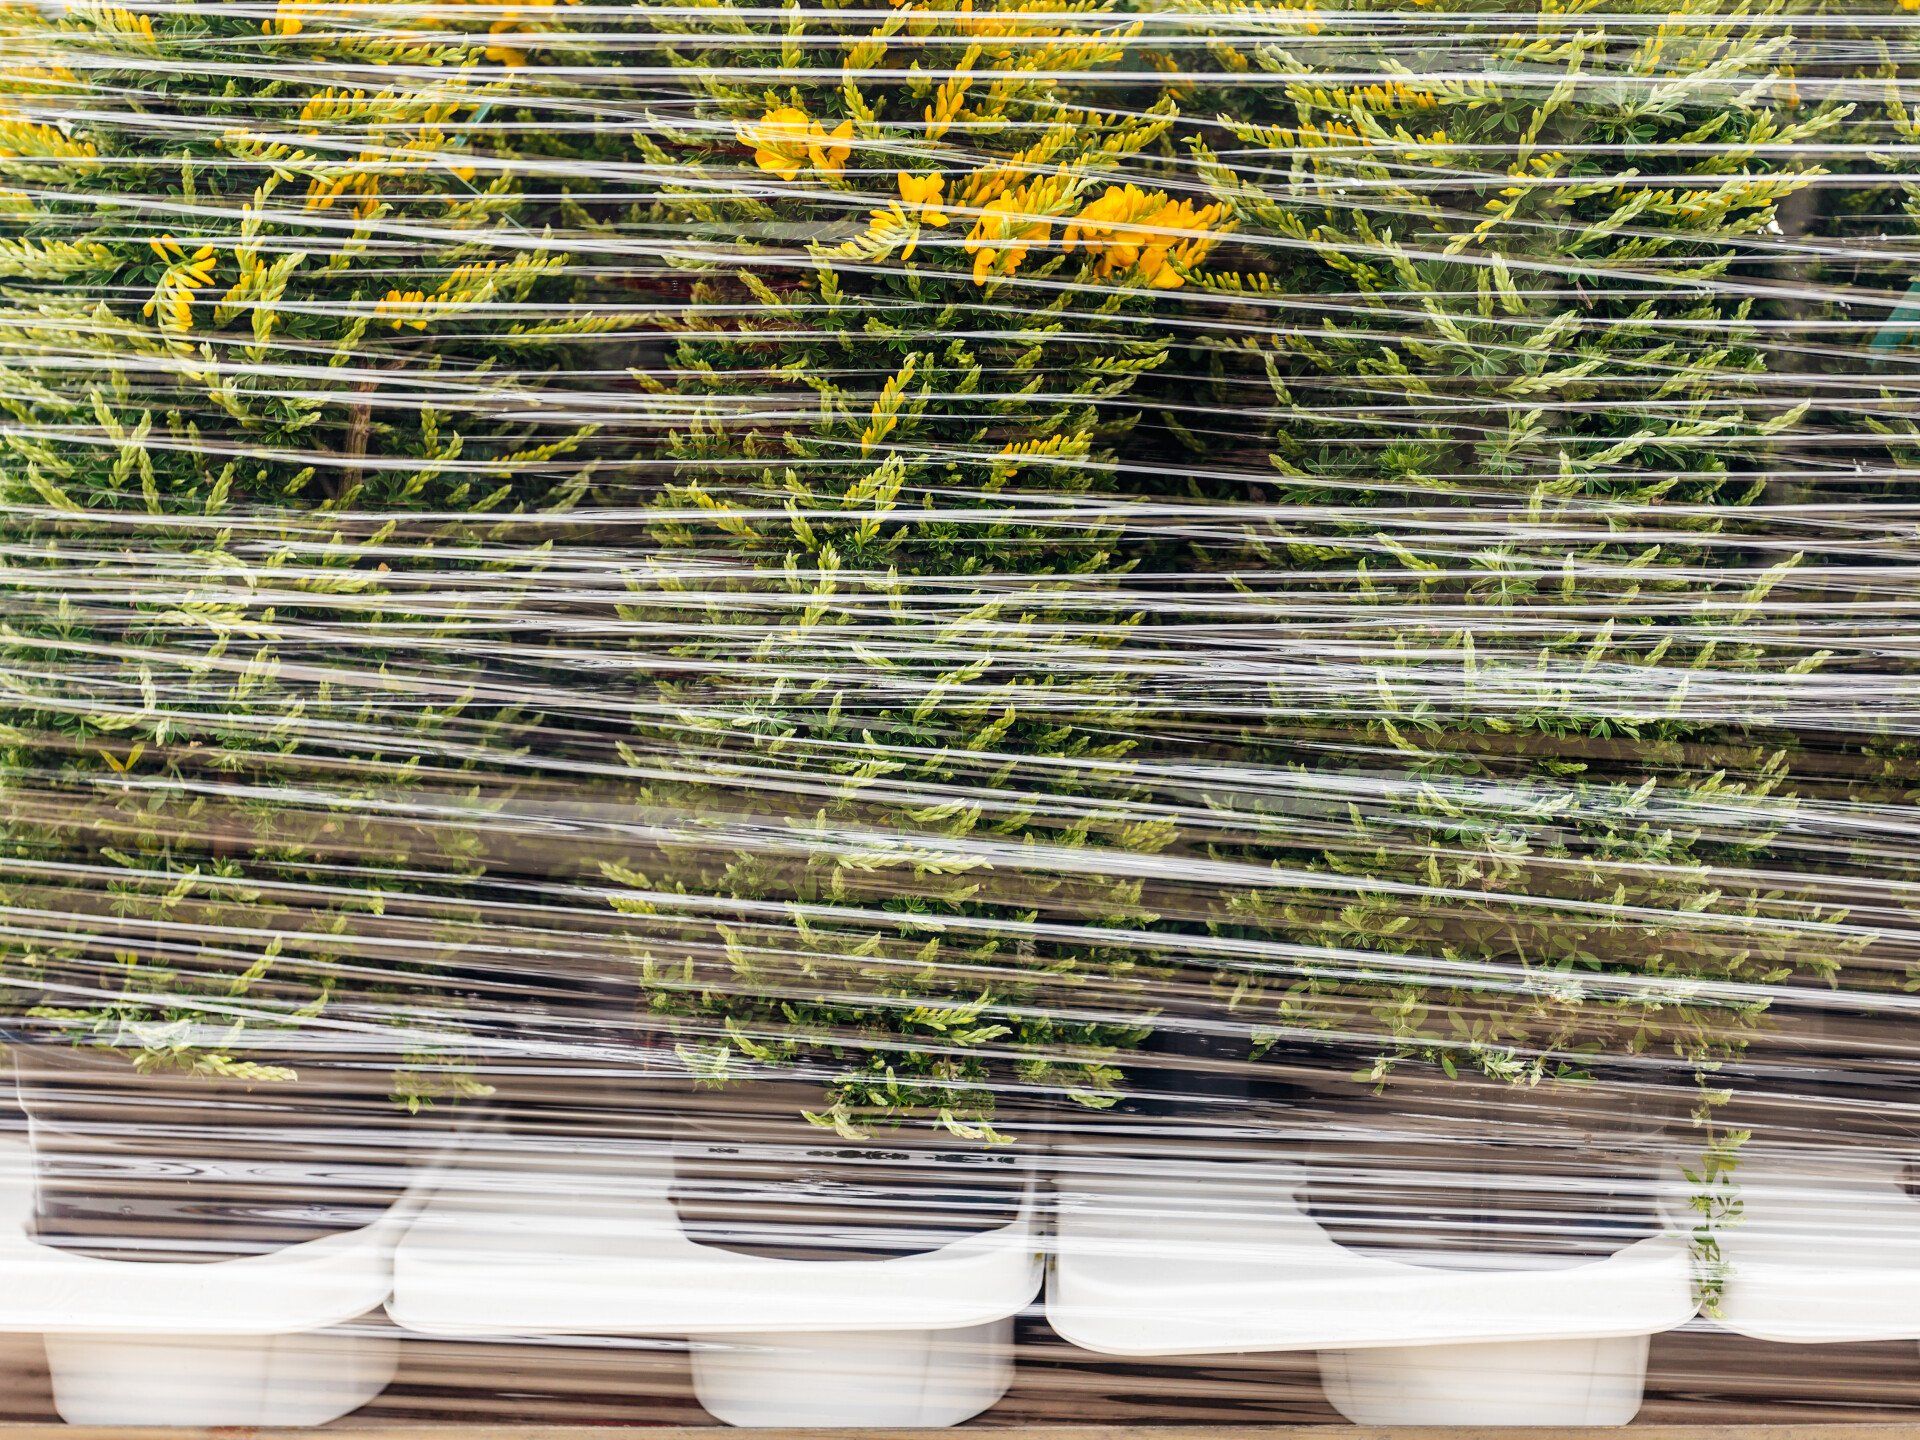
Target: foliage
{"x":262,"y":304}
{"x":1518,"y":392}
{"x":926,"y":264}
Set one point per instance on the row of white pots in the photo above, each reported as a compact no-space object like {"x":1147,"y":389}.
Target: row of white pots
{"x":1138,"y":1268}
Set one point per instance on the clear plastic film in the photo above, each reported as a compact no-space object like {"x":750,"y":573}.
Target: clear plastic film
{"x":1004,"y":713}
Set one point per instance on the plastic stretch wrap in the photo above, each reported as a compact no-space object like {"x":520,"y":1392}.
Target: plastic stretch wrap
{"x":829,"y":714}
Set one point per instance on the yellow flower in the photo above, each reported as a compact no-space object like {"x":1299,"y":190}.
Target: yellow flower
{"x":199,"y":270}
{"x":403,"y":307}
{"x":1130,"y":230}
{"x":1002,"y":235}
{"x":510,"y":24}
{"x":779,"y":141}
{"x":924,"y":193}
{"x":285,"y":19}
{"x":23,"y":138}
{"x":322,"y":193}
{"x":128,"y":23}
{"x":829,"y":149}
{"x":497,"y":49}
{"x":1187,"y":235}
{"x":1106,"y":227}
{"x":1334,"y":133}
{"x":785,"y":142}
{"x":187,"y":274}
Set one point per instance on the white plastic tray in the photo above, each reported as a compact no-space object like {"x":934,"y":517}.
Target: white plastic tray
{"x":249,"y":1341}
{"x":1826,"y":1249}
{"x":918,"y":1340}
{"x":1224,"y":1259}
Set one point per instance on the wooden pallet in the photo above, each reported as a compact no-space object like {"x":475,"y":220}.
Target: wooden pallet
{"x":1702,"y":1385}
{"x":1806,"y":1431}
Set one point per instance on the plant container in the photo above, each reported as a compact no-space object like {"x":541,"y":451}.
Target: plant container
{"x":818,"y":1281}
{"x":1475,"y":1175}
{"x":1223,"y":1259}
{"x":177,"y":1168}
{"x":276,"y":1338}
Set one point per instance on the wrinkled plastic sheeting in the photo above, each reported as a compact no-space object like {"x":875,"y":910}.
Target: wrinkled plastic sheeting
{"x":855,"y":630}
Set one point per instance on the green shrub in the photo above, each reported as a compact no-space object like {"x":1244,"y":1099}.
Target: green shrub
{"x":926,"y":271}
{"x":269,"y":324}
{"x":1519,"y":393}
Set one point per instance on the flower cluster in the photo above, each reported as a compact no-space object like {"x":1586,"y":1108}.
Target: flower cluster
{"x":510,"y":28}
{"x":1132,"y":234}
{"x":922,"y":193}
{"x":1145,"y":233}
{"x":1008,"y":225}
{"x":401,"y":308}
{"x":786,"y":141}
{"x":466,"y":287}
{"x":185,"y":276}
{"x":505,"y":34}
{"x":1383,"y":97}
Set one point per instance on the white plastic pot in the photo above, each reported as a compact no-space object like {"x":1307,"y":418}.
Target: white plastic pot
{"x":254,"y":1341}
{"x":1225,"y":1259}
{"x":907,"y":1379}
{"x":1543,"y":1382}
{"x":218,"y":1380}
{"x":914,"y":1341}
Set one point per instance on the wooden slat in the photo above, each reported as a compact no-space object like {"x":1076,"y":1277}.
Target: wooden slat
{"x":1804,"y":1431}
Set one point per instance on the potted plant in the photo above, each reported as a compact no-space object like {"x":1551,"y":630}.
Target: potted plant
{"x":1515,"y":832}
{"x":1585,"y":705}
{"x":889,"y":758}
{"x":222,"y":301}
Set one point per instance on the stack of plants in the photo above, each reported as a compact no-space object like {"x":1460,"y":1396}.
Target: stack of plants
{"x":275,"y":321}
{"x":1529,"y":751}
{"x":896,"y":721}
{"x":299,"y":378}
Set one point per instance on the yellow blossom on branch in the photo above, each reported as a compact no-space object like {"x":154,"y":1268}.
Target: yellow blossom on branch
{"x":498,"y":50}
{"x":1108,"y":227}
{"x":1337,"y":134}
{"x":500,"y":34}
{"x":923,"y":192}
{"x":829,"y":149}
{"x":1144,"y":234}
{"x":285,"y":20}
{"x":322,"y":193}
{"x":779,"y":141}
{"x":290,"y":17}
{"x":403,"y":307}
{"x":198,"y":270}
{"x":1387,"y":97}
{"x":172,"y":303}
{"x":26,"y":140}
{"x":190,"y":270}
{"x":786,"y":141}
{"x":1003,"y":234}
{"x":120,"y":21}
{"x":898,"y":222}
